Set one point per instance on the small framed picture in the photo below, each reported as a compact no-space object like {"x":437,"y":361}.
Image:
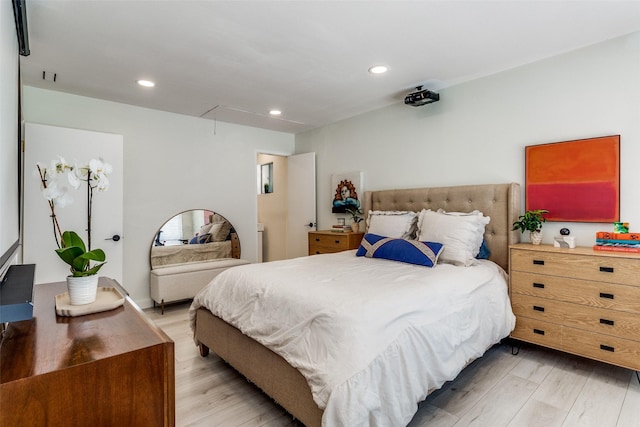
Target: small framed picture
{"x":340,"y":221}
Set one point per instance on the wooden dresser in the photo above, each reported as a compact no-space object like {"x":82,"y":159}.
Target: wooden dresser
{"x":113,"y":368}
{"x":578,"y":300}
{"x":326,"y":242}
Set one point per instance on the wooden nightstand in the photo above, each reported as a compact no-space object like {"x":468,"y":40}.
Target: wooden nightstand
{"x":327,"y":241}
{"x":577,"y":300}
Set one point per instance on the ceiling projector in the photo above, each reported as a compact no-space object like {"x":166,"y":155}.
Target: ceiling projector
{"x":421,"y":97}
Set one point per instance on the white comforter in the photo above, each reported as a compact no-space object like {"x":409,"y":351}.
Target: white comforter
{"x":371,"y":336}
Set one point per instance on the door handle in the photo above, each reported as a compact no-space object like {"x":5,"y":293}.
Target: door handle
{"x":311,"y":224}
{"x":115,"y":238}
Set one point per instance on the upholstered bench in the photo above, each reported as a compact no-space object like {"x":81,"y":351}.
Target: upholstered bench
{"x":183,"y":281}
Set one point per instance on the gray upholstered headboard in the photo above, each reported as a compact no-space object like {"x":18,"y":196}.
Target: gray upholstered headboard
{"x":501,"y":202}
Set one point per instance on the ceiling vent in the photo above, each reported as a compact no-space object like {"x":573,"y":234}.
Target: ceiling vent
{"x":421,"y":97}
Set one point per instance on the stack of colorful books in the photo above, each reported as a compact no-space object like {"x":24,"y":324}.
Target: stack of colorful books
{"x":617,"y":242}
{"x":341,"y":228}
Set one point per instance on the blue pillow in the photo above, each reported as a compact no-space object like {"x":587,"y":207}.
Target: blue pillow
{"x":484,"y":253}
{"x":409,"y":251}
{"x":203,"y":238}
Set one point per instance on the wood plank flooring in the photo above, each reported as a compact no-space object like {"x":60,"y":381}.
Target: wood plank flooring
{"x":538,"y":387}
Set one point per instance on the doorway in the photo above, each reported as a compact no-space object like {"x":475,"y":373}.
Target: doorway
{"x":288,"y":210}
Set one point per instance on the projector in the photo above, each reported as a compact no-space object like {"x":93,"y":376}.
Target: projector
{"x":421,"y":97}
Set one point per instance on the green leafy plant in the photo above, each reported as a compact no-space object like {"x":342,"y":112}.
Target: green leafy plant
{"x":355,"y":214}
{"x":530,"y":221}
{"x":71,"y":248}
{"x":74,"y":253}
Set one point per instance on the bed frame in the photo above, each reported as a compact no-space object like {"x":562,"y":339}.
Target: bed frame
{"x":285,"y":384}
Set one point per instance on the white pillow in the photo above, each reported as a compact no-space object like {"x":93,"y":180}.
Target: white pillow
{"x":394,"y":224}
{"x":205,"y":229}
{"x":460,"y":233}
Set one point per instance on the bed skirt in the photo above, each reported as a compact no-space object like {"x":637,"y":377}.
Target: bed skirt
{"x":258,"y":364}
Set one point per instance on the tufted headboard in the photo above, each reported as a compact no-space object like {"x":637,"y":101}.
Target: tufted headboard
{"x":501,"y":202}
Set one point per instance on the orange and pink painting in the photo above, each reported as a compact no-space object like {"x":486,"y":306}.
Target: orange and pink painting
{"x":576,"y":181}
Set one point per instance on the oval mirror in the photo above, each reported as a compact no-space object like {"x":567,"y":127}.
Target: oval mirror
{"x":194,"y":236}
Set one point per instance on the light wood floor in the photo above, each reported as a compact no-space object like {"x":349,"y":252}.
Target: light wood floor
{"x":538,"y":387}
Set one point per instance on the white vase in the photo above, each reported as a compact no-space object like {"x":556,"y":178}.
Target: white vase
{"x":536,"y":237}
{"x":355,"y":226}
{"x":82,"y":290}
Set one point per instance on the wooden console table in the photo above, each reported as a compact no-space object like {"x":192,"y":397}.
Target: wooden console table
{"x":109,"y":368}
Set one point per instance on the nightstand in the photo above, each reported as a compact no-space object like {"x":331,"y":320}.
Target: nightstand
{"x":327,"y":241}
{"x":578,"y":300}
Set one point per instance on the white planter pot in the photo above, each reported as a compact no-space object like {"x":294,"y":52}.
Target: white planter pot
{"x":536,"y":237}
{"x":355,"y":226}
{"x":82,"y":290}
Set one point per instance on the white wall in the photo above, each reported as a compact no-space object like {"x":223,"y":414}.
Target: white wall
{"x":478,"y":130}
{"x":171,"y":163}
{"x":9,"y":227}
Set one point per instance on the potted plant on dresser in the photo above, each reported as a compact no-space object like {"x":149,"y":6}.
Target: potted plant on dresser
{"x":82,"y":283}
{"x":531,"y":221}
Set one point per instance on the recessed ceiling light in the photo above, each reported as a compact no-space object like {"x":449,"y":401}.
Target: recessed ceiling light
{"x":378,"y":69}
{"x":146,"y":83}
{"x":275,"y":112}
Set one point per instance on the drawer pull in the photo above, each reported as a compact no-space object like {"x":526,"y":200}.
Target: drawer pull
{"x":607,"y":296}
{"x":538,"y":285}
{"x":538,"y":331}
{"x":607,"y":348}
{"x":607,"y":322}
{"x":337,"y":242}
{"x":606,"y":269}
{"x":317,"y":239}
{"x":538,"y":262}
{"x":538,"y":308}
{"x":317,"y":252}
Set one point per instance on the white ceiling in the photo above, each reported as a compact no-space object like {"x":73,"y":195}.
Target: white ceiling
{"x":235,"y":60}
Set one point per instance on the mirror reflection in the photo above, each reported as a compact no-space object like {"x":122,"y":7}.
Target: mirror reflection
{"x":194,"y":236}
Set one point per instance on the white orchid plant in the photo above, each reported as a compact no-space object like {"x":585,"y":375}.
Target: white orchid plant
{"x":71,"y":247}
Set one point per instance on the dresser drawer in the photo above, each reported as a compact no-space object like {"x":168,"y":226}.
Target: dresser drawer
{"x":537,"y":308}
{"x":538,"y":332}
{"x":579,"y":266}
{"x":596,"y":294}
{"x":593,"y":319}
{"x":618,"y":351}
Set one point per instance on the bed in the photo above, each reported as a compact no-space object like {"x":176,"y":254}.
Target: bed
{"x":364,"y":389}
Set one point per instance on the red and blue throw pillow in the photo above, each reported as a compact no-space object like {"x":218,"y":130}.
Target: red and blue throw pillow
{"x":409,"y":251}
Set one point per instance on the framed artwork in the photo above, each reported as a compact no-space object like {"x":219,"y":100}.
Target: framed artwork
{"x":576,"y":181}
{"x":347,"y":190}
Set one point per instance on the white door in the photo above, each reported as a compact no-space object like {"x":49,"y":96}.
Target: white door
{"x":44,"y":144}
{"x":301,"y":210}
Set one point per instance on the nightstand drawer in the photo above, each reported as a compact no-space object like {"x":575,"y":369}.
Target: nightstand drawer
{"x":325,"y":242}
{"x":336,"y":240}
{"x":538,"y":332}
{"x":316,"y":250}
{"x":605,"y":348}
{"x":579,"y":266}
{"x":598,"y":320}
{"x":596,"y":294}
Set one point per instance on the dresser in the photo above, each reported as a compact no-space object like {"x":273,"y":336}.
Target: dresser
{"x":102,"y":369}
{"x":577,"y":300}
{"x":327,"y":241}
